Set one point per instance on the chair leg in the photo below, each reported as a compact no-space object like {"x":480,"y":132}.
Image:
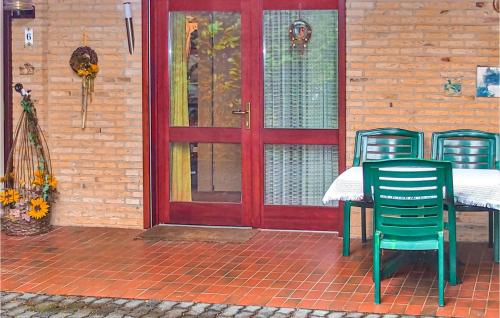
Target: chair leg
{"x":496,"y":236}
{"x":490,"y":228}
{"x":347,"y":228}
{"x":376,"y":266}
{"x":363,"y":224}
{"x":452,"y":228}
{"x":441,"y":269}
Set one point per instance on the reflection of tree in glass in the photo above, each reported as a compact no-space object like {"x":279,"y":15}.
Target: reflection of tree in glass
{"x":219,"y":40}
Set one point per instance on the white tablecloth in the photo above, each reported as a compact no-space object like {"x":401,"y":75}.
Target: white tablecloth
{"x":479,"y":187}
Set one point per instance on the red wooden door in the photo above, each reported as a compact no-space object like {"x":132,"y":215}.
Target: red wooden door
{"x":302,"y":115}
{"x":246,"y":130}
{"x":209,"y":113}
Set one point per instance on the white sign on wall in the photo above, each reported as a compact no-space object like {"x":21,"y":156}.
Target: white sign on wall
{"x":28,"y":37}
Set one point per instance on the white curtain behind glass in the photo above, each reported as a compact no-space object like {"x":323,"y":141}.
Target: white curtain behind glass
{"x":300,"y":91}
{"x":299,"y":174}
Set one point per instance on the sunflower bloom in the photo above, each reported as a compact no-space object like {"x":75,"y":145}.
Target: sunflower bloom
{"x":39,"y":178}
{"x":9,"y":196}
{"x":39,"y":208}
{"x":14,"y":195}
{"x":52,"y":182}
{"x":3,"y":197}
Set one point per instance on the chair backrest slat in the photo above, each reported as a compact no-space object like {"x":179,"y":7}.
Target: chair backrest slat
{"x":387,"y":143}
{"x":408,"y":195}
{"x":470,"y":166}
{"x":464,"y":142}
{"x":384,"y":155}
{"x":467,"y":159}
{"x":427,"y":210}
{"x":374,"y":148}
{"x":485,"y":151}
{"x":467,"y":149}
{"x":389,"y":139}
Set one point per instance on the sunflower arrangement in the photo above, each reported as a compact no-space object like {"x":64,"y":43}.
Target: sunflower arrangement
{"x":28,"y":187}
{"x":28,"y":201}
{"x":83,"y":62}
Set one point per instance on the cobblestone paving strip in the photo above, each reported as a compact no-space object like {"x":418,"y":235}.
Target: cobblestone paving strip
{"x":28,"y":305}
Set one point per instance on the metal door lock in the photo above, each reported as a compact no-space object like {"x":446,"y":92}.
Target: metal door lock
{"x":244,"y":112}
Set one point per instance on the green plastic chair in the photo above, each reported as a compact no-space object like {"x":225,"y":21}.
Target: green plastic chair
{"x":408,"y":207}
{"x":379,"y":144}
{"x":470,"y":149}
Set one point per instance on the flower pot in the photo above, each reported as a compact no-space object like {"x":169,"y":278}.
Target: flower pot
{"x":21,"y":227}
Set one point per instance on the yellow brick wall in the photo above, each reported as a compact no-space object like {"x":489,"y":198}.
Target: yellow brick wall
{"x":399,"y":53}
{"x":398,"y":56}
{"x":99,"y":168}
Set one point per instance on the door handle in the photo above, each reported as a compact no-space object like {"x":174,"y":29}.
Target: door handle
{"x":239,"y":112}
{"x":247,"y":121}
{"x":244,"y":112}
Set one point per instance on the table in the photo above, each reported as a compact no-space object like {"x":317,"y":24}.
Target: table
{"x":478,"y":187}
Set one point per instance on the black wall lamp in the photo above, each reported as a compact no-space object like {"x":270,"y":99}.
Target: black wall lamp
{"x":20,"y":9}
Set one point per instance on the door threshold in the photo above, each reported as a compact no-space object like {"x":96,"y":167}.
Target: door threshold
{"x":300,"y":231}
{"x":209,"y":226}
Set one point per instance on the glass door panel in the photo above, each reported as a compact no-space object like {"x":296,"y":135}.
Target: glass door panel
{"x":205,"y":74}
{"x":300,"y":84}
{"x":214,"y":170}
{"x":298,"y":174}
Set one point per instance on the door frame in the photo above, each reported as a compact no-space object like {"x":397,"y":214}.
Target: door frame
{"x":161,"y":134}
{"x":155,"y":99}
{"x":6,"y":86}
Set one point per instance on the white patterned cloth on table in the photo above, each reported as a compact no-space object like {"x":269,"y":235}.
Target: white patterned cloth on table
{"x":478,"y":187}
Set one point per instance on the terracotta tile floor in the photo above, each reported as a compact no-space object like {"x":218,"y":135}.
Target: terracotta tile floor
{"x":286,"y":269}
